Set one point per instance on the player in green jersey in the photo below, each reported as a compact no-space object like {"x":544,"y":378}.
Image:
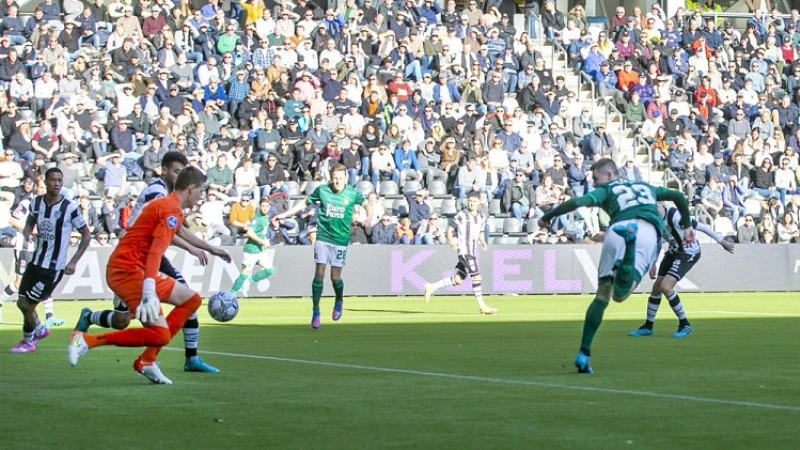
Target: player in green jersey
{"x":336,"y":203}
{"x":630,"y":250}
{"x":255,"y":251}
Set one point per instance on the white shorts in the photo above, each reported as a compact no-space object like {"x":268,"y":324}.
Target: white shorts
{"x":614,"y":249}
{"x":329,"y":254}
{"x":249,"y":260}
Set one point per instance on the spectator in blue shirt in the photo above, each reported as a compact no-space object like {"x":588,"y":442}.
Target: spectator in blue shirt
{"x":405,"y":159}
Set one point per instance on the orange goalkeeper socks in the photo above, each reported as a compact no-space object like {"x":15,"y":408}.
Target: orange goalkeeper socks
{"x":136,"y":337}
{"x":175,"y":320}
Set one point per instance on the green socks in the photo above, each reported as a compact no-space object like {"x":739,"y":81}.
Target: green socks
{"x":626,"y":274}
{"x":316,"y":293}
{"x":338,"y":289}
{"x":594,"y":316}
{"x":238,"y":283}
{"x":258,"y":276}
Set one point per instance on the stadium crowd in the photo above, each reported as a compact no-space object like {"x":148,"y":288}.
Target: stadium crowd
{"x":422,"y":101}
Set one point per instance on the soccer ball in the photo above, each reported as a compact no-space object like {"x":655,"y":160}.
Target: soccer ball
{"x":223,"y":306}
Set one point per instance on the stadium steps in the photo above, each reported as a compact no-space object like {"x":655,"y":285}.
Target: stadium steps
{"x":625,"y":144}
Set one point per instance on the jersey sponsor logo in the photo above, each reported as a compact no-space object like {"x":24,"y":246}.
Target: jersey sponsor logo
{"x":345,"y":201}
{"x":334,"y":212}
{"x":46,"y":230}
{"x":172,"y":222}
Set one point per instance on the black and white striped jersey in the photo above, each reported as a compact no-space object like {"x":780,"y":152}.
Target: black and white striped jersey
{"x":673,"y":233}
{"x":156,"y":189}
{"x":468,"y":229}
{"x":54,"y":224}
{"x":20,"y":214}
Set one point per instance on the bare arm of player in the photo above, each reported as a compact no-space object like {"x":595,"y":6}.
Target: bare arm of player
{"x":86,"y":238}
{"x":482,"y":240}
{"x":451,"y":241}
{"x":705,"y":229}
{"x":291,"y":212}
{"x":28,"y":230}
{"x":195,"y":242}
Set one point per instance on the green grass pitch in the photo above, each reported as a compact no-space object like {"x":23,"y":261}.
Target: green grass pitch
{"x":397,"y":373}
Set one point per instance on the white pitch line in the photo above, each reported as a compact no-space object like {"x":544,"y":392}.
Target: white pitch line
{"x":538,"y":384}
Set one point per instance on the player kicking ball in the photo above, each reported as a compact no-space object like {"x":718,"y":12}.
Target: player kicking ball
{"x":133,"y":274}
{"x":255,"y":251}
{"x":678,"y":261}
{"x":119,"y":318}
{"x":628,"y":251}
{"x":336,"y":202}
{"x":468,"y":229}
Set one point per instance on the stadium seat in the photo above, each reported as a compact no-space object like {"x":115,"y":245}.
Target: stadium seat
{"x":511,"y":225}
{"x":438,"y":189}
{"x":26,"y":115}
{"x":448,"y":208}
{"x":496,"y":225}
{"x":100,"y":116}
{"x":724,"y":227}
{"x":523,"y":240}
{"x":389,"y":188}
{"x":494,"y":207}
{"x":412,"y":186}
{"x":753,"y":207}
{"x":400,"y":207}
{"x":293,"y":188}
{"x":311,"y":186}
{"x":138,"y":186}
{"x":532,"y":226}
{"x":365,"y":187}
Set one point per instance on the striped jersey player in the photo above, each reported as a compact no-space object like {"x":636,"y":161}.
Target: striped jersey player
{"x":678,"y":260}
{"x":464,"y":235}
{"x":54,"y":217}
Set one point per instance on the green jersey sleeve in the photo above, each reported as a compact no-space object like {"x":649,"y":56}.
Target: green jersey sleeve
{"x":671,"y":195}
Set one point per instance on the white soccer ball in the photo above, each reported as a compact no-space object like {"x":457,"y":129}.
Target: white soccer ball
{"x":223,"y":306}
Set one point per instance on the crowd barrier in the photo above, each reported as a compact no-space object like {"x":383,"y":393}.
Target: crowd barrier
{"x":403,"y":270}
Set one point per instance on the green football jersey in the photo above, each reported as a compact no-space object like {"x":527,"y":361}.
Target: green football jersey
{"x":260,"y":226}
{"x":335,"y":213}
{"x":624,"y":200}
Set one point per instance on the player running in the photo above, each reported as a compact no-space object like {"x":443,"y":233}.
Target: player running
{"x":678,"y":261}
{"x":171,"y":165}
{"x":630,"y":250}
{"x":54,"y":218}
{"x":255,"y":251}
{"x":23,"y":254}
{"x":468,"y":227}
{"x":336,"y":202}
{"x":133,"y":274}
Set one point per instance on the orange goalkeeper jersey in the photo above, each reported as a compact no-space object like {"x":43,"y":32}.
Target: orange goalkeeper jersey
{"x":149,"y":237}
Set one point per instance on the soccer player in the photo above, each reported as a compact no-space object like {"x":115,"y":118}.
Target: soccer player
{"x":468,"y":227}
{"x":171,"y":165}
{"x":678,"y":261}
{"x":336,"y":202}
{"x":628,"y":251}
{"x":23,"y":253}
{"x":133,"y":274}
{"x":255,"y":251}
{"x":54,"y":218}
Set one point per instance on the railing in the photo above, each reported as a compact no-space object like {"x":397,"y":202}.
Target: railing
{"x":609,"y":106}
{"x":669,"y":176}
{"x":702,"y":215}
{"x":583,"y":75}
{"x":561,"y":50}
{"x":639,"y":142}
{"x":541,"y":35}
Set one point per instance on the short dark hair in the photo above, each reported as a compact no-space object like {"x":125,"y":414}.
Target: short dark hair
{"x":52,"y":170}
{"x":474,"y":194}
{"x":189,"y":177}
{"x":338,"y":168}
{"x":605,"y":164}
{"x":174,"y":157}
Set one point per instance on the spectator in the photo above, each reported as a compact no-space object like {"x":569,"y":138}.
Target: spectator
{"x":405,"y":235}
{"x":747,"y":233}
{"x":383,"y":166}
{"x":220,"y":177}
{"x":383,"y":233}
{"x":241,"y":214}
{"x":518,"y":197}
{"x":711,"y":198}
